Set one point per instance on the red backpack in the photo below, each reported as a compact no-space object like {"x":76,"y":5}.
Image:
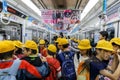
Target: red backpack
{"x":53,"y":73}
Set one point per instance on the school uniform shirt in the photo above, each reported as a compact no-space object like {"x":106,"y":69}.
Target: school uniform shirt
{"x":25,"y":69}
{"x":96,"y":67}
{"x":55,"y":63}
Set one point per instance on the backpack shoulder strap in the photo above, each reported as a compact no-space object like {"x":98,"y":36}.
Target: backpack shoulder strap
{"x":14,"y":67}
{"x":80,"y":67}
{"x":70,"y":54}
{"x":88,"y":61}
{"x":11,"y":70}
{"x":61,"y":56}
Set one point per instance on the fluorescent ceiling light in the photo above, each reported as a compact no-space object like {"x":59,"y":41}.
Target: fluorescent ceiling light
{"x":88,"y":7}
{"x":30,"y":4}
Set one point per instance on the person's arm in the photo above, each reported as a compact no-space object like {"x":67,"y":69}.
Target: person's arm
{"x":97,"y":78}
{"x":59,"y":72}
{"x":58,"y":69}
{"x":114,"y":63}
{"x":116,"y":73}
{"x":30,"y":68}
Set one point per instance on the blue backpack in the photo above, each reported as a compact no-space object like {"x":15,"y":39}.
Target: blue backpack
{"x":11,"y":72}
{"x":44,"y":69}
{"x":68,"y":69}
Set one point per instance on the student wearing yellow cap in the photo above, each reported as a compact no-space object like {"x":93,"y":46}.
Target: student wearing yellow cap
{"x":53,"y":63}
{"x":84,"y":47}
{"x":20,"y":68}
{"x":31,"y":52}
{"x":42,"y":49}
{"x":116,"y":46}
{"x":57,"y":42}
{"x":66,"y":60}
{"x":113,"y":62}
{"x":18,"y":49}
{"x":104,"y":50}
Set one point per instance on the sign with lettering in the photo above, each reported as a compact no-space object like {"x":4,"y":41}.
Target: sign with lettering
{"x":11,"y":10}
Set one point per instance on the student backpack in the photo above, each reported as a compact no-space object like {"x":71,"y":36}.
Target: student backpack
{"x":68,"y":68}
{"x":82,"y":72}
{"x":44,"y":70}
{"x":42,"y":67}
{"x":53,"y":72}
{"x":11,"y":72}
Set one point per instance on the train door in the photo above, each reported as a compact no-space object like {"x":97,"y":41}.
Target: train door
{"x":34,"y":35}
{"x":12,"y":31}
{"x":111,"y":29}
{"x":28,"y":34}
{"x":111,"y":32}
{"x":2,"y":34}
{"x":119,"y":29}
{"x":40,"y":34}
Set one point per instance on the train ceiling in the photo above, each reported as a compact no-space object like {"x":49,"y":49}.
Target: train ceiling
{"x":61,"y":4}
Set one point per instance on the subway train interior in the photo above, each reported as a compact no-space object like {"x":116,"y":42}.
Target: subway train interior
{"x":49,"y":18}
{"x":74,"y":20}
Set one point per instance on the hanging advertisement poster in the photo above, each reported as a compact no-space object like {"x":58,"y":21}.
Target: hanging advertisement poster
{"x":61,"y":20}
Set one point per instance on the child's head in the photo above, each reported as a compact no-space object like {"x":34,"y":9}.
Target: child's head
{"x":84,"y":46}
{"x":30,"y":47}
{"x":57,"y":42}
{"x":42,"y":43}
{"x":104,"y":49}
{"x":18,"y":45}
{"x":64,"y":43}
{"x":116,"y":43}
{"x":52,"y":50}
{"x":6,"y":49}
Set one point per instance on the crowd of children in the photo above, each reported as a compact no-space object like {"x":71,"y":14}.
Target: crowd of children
{"x":65,"y":59}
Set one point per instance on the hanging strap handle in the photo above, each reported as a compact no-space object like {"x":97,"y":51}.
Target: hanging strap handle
{"x":4,"y":12}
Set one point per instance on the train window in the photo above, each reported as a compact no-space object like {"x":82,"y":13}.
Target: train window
{"x":34,"y":35}
{"x":111,"y":33}
{"x":1,"y":37}
{"x":13,"y":31}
